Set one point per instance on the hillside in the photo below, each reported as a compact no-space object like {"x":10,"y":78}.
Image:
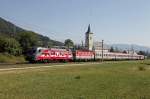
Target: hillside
{"x":9,"y":29}
{"x":129,"y":47}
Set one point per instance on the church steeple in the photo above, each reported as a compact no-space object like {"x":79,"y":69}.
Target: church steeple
{"x":89,"y":29}
{"x":89,"y":39}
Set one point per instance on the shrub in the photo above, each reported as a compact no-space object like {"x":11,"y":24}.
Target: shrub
{"x":77,"y":77}
{"x":141,"y":68}
{"x":7,"y":58}
{"x":10,"y":45}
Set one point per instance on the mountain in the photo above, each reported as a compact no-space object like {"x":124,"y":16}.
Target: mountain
{"x":9,"y":29}
{"x":129,"y":47}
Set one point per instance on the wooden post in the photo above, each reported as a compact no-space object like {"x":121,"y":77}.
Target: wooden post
{"x":102,"y":50}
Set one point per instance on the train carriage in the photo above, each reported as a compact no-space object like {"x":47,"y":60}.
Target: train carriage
{"x":117,"y":56}
{"x":83,"y":55}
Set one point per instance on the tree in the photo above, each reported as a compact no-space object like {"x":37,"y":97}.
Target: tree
{"x":142,"y":53}
{"x":69,"y":43}
{"x":124,"y":52}
{"x":1,"y":44}
{"x":111,"y":49}
{"x":117,"y":49}
{"x":27,"y":40}
{"x":10,"y":45}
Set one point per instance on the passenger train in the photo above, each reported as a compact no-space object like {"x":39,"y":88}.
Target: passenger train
{"x":65,"y":55}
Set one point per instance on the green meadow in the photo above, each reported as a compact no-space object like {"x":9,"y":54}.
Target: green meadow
{"x":108,"y":80}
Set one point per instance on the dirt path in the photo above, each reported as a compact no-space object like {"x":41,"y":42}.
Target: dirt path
{"x":42,"y":66}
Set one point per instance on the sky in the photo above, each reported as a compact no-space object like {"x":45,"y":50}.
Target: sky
{"x":114,"y":21}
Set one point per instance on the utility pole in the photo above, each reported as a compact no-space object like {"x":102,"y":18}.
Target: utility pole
{"x":102,"y":49}
{"x":82,"y":43}
{"x":132,"y":51}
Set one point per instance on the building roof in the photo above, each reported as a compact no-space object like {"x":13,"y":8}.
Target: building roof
{"x":89,"y":29}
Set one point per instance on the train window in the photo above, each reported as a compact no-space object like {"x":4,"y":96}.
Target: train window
{"x":70,"y":54}
{"x":39,"y":50}
{"x":90,"y":38}
{"x":46,"y":54}
{"x":43,"y":53}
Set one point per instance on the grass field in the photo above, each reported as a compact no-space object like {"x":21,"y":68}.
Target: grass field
{"x":7,"y":58}
{"x":112,"y":80}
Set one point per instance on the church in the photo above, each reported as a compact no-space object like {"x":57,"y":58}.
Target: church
{"x":90,"y":44}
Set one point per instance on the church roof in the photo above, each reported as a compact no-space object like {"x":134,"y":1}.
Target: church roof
{"x":89,"y":29}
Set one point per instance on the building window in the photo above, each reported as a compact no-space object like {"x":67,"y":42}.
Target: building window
{"x":90,"y":38}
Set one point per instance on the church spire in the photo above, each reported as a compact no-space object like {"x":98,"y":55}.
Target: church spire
{"x":89,"y":29}
{"x":89,"y":39}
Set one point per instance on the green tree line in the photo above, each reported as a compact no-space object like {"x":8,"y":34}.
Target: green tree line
{"x":17,"y":41}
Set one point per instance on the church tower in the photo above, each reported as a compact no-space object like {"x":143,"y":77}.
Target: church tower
{"x":89,"y":39}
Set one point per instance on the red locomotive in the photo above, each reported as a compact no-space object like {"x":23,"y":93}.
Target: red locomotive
{"x":50,"y":54}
